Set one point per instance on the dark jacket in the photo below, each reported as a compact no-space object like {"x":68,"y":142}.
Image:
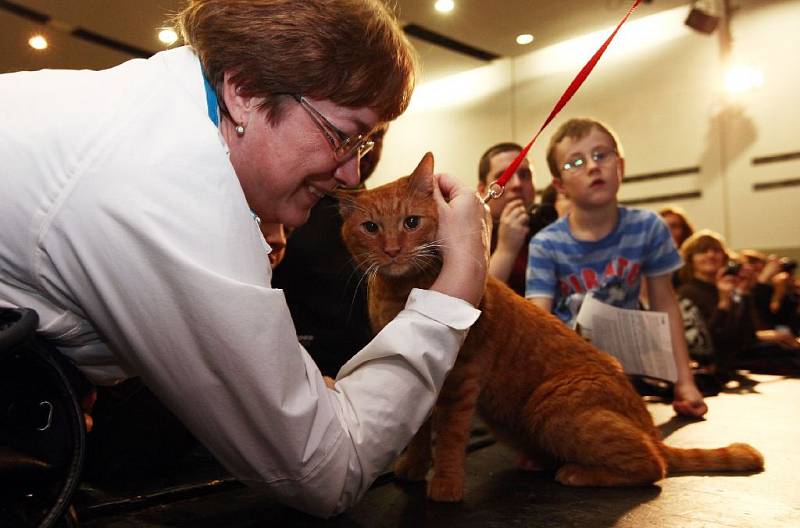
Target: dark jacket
{"x":731,"y":330}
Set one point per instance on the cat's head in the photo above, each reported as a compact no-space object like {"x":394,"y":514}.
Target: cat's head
{"x":391,"y":230}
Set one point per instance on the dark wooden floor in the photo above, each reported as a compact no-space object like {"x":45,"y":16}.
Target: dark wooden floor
{"x":765,"y":414}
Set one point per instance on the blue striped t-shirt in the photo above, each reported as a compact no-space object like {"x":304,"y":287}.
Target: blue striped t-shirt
{"x":564,"y":268}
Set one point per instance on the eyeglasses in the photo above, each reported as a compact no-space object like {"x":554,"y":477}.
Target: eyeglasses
{"x":344,"y":146}
{"x":578,"y":163}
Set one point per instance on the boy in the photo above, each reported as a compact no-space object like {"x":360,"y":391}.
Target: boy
{"x":604,"y":248}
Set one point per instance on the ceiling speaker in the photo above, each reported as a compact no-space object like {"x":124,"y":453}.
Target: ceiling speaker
{"x":701,"y":21}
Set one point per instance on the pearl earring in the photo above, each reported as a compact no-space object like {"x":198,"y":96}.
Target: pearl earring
{"x":239,"y":130}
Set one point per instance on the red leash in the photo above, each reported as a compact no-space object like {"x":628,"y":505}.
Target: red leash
{"x":497,"y":187}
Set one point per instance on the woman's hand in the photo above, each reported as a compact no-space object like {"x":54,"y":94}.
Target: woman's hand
{"x":464,"y":233}
{"x":771,"y":268}
{"x":726,"y":286}
{"x":781,"y":283}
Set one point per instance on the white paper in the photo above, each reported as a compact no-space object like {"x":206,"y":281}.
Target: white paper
{"x":639,"y":340}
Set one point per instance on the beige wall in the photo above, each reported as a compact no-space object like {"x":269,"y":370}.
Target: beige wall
{"x":660,"y":87}
{"x":455,"y":118}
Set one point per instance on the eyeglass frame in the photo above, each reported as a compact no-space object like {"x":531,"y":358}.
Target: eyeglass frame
{"x":599,"y":155}
{"x":344,"y":146}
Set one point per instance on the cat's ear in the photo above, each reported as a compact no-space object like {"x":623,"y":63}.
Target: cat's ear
{"x":422,"y":178}
{"x":425,"y":166}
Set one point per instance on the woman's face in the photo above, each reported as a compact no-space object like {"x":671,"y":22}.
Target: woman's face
{"x":708,"y":260}
{"x":284,"y":169}
{"x":675,"y":225}
{"x":276,"y":238}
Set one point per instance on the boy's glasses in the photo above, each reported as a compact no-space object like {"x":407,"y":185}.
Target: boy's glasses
{"x":344,"y":146}
{"x":578,"y":163}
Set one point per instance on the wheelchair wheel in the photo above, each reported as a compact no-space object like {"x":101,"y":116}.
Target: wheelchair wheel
{"x":42,"y":432}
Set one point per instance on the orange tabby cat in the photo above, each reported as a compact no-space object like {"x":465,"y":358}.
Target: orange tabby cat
{"x":539,"y":386}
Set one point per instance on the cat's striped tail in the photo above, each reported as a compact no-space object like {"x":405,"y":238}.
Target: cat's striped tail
{"x":735,"y":457}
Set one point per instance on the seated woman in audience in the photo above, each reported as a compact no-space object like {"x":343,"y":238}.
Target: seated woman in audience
{"x":678,"y":222}
{"x":680,"y":228}
{"x":718,"y":315}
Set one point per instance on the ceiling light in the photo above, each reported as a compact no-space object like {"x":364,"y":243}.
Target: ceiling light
{"x":38,"y":42}
{"x":168,"y":36}
{"x":444,"y":6}
{"x":525,"y":38}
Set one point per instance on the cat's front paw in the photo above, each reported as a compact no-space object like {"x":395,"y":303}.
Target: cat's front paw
{"x":446,"y":489}
{"x":407,"y":469}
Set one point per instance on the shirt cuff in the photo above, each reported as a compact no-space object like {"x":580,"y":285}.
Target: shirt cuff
{"x":449,"y":311}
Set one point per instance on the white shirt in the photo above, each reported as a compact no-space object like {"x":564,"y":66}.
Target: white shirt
{"x":122,"y":223}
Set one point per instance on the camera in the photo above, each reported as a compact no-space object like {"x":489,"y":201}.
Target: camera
{"x":732,"y":268}
{"x":540,"y":216}
{"x":788,"y":265}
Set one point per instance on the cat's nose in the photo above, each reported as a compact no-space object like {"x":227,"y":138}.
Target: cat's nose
{"x":347,"y":174}
{"x":392,"y":251}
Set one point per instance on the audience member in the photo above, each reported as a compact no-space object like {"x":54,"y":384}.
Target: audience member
{"x":510,"y":213}
{"x":678,"y":222}
{"x":718,"y":313}
{"x":275,"y":235}
{"x":680,"y":228}
{"x":323,"y":288}
{"x":603,"y":248}
{"x":557,"y":199}
{"x":775,"y":294}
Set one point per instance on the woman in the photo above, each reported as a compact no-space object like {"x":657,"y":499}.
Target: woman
{"x":678,"y":222}
{"x":717,"y":309}
{"x":130,"y":201}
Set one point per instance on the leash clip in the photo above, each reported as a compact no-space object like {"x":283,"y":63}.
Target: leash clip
{"x":495,"y":190}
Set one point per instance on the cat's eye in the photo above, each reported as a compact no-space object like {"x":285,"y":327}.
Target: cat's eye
{"x":370,"y":227}
{"x":411,"y":222}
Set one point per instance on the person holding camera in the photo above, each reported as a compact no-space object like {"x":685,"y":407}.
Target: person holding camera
{"x":775,"y":294}
{"x":715,"y":296}
{"x":510,"y":212}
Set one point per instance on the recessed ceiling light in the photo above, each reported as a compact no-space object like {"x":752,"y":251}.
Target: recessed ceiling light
{"x":168,"y":36}
{"x":444,"y":6}
{"x":525,"y":38}
{"x":37,"y":42}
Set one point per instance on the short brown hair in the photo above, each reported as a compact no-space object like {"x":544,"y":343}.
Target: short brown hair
{"x":699,"y":242}
{"x":576,"y":128}
{"x":494,"y":150}
{"x":351,"y":52}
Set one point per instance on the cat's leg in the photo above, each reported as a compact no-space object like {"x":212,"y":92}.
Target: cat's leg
{"x":605,"y":448}
{"x":414,"y":463}
{"x":452,"y":422}
{"x":530,"y":458}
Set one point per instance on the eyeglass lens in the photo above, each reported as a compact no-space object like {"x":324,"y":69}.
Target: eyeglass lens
{"x":599,"y":156}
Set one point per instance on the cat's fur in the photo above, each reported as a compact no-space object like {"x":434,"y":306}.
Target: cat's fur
{"x":539,"y":386}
